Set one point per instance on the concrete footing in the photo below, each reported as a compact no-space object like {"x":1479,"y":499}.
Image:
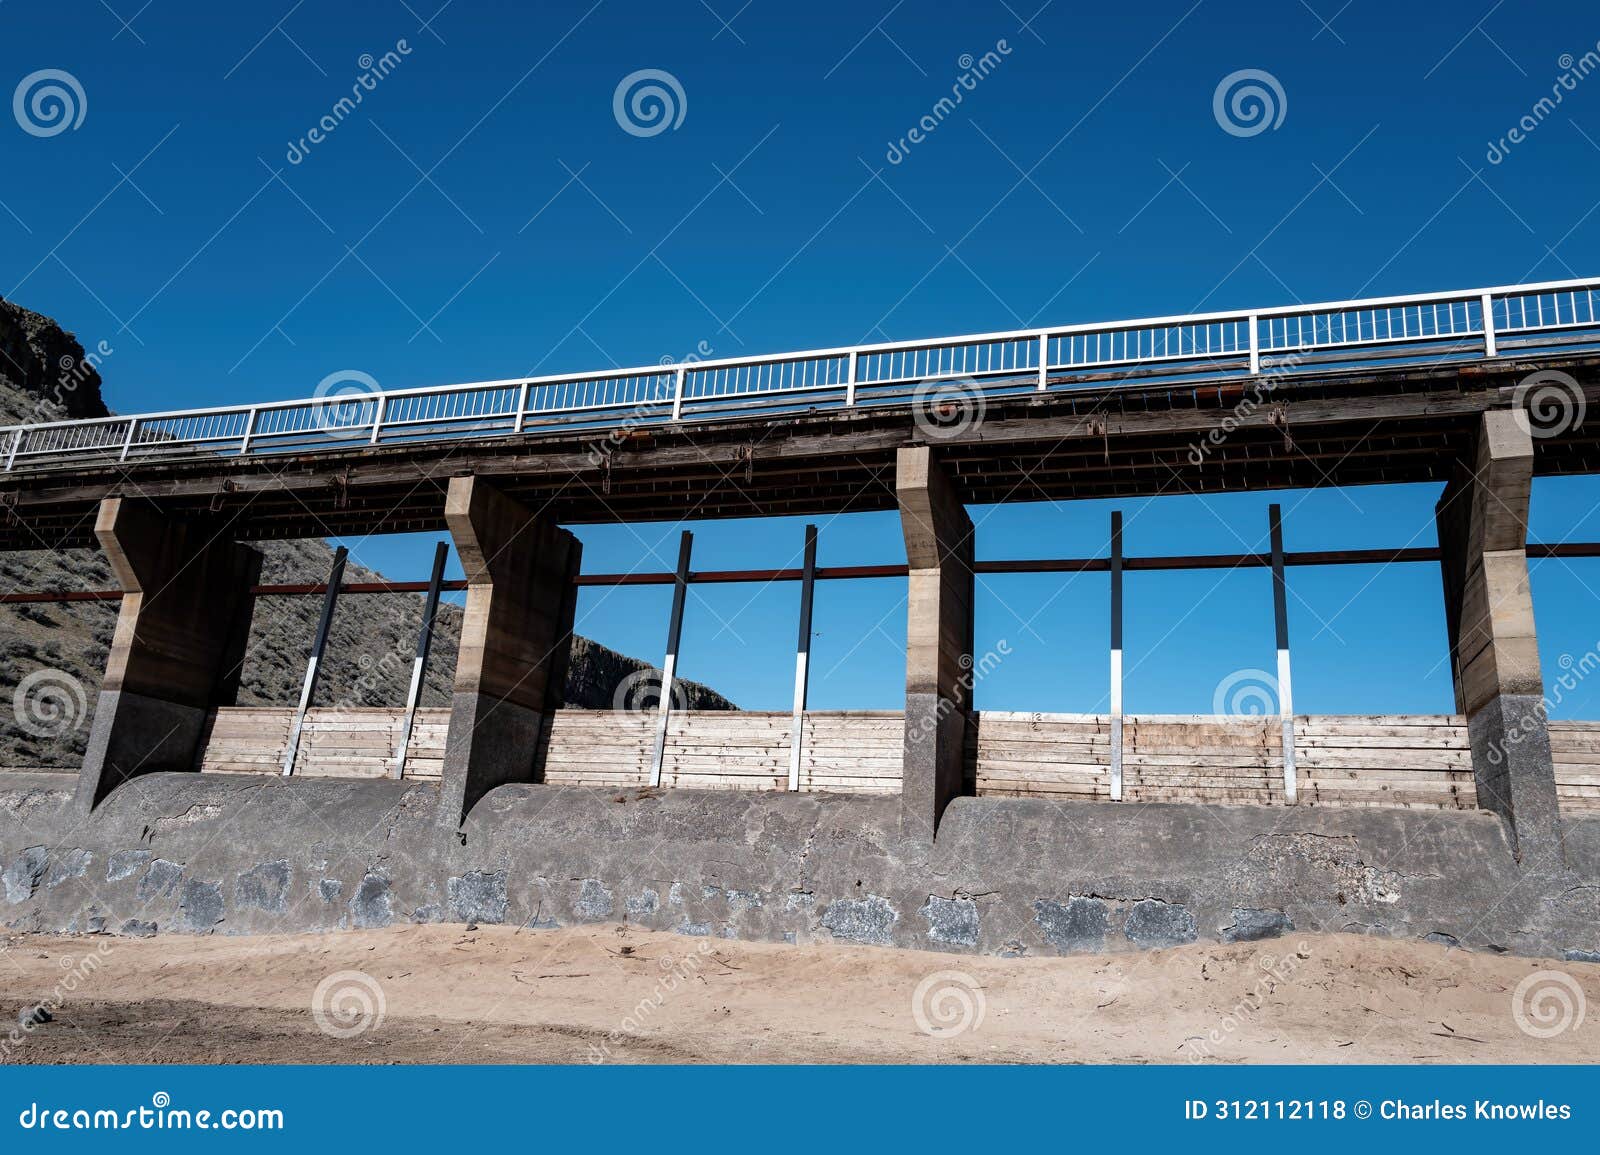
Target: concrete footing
{"x":241,"y":854}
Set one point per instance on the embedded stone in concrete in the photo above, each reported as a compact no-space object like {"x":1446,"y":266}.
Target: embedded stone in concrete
{"x":1572,"y":954}
{"x":369,"y":905}
{"x":477,"y":896}
{"x":951,"y":920}
{"x":1251,"y":925}
{"x":1077,"y":926}
{"x":1154,"y":924}
{"x":738,"y":900}
{"x":72,"y":864}
{"x":138,"y":928}
{"x":868,"y":920}
{"x":645,"y":902}
{"x":594,"y":900}
{"x":263,"y":887}
{"x":1440,"y":938}
{"x":126,"y":864}
{"x":698,"y":929}
{"x":22,"y":876}
{"x":200,"y":907}
{"x":160,"y":880}
{"x":329,"y":889}
{"x":428,"y":912}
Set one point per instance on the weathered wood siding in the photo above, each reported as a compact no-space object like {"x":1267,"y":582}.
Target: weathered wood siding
{"x":1576,"y":749}
{"x":1341,"y":760}
{"x":351,"y":742}
{"x":856,"y":753}
{"x":1401,"y":760}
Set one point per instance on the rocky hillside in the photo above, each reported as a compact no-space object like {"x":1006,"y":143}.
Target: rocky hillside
{"x":45,"y":376}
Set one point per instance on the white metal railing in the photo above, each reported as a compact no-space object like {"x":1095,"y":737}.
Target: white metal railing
{"x":1289,"y":340}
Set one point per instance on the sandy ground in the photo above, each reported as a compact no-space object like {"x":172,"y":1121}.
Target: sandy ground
{"x":612,"y":993}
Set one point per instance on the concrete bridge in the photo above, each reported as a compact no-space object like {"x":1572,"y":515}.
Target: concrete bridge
{"x":1000,"y":831}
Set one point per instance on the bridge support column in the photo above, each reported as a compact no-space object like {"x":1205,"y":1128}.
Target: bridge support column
{"x":179,"y":642}
{"x":516,"y":640}
{"x":1494,"y":651}
{"x":939,"y":599}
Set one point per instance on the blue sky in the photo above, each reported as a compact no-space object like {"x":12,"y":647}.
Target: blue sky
{"x":483,"y":214}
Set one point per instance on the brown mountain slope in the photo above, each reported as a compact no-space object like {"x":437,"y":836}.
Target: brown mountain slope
{"x":43,"y":377}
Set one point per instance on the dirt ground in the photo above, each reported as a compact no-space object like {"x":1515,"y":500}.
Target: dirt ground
{"x":437,"y":994}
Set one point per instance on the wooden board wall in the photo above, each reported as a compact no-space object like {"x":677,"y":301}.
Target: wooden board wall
{"x":1575,"y":746}
{"x":855,"y":753}
{"x":1403,"y":760}
{"x":1341,"y":760}
{"x":349,"y":742}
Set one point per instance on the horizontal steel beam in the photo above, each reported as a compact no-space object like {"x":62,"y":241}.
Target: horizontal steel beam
{"x":1536,"y":551}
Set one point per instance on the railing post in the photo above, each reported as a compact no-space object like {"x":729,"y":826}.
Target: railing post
{"x":1044,"y":361}
{"x":850,"y":381}
{"x":378,"y":413}
{"x":16,"y":444}
{"x":314,"y":664}
{"x":1488,"y":326}
{"x":677,"y":394}
{"x":522,"y":409}
{"x":1116,"y":655}
{"x":419,"y":665}
{"x":1280,"y":616}
{"x":1255,"y":345}
{"x":249,"y":431}
{"x":669,"y":665}
{"x":802,"y":657}
{"x":127,"y":442}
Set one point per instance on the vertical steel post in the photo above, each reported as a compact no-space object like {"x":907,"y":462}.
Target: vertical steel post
{"x":1255,"y":344}
{"x":1280,"y":614}
{"x":669,"y":666}
{"x":419,"y":665}
{"x":318,"y":645}
{"x":1488,"y":326}
{"x":850,"y":381}
{"x":1116,"y":655}
{"x":802,"y":656}
{"x":1044,"y":361}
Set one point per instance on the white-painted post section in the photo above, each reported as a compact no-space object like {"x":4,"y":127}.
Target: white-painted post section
{"x":802,"y":657}
{"x":677,"y":395}
{"x":318,"y":645}
{"x":1116,"y":656}
{"x":1280,"y":614}
{"x":669,"y":665}
{"x":1255,"y":344}
{"x":1488,"y":326}
{"x":850,"y":381}
{"x":419,"y":664}
{"x":1044,"y":361}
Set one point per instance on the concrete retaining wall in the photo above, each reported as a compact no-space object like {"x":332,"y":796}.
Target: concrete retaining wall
{"x":220,"y":853}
